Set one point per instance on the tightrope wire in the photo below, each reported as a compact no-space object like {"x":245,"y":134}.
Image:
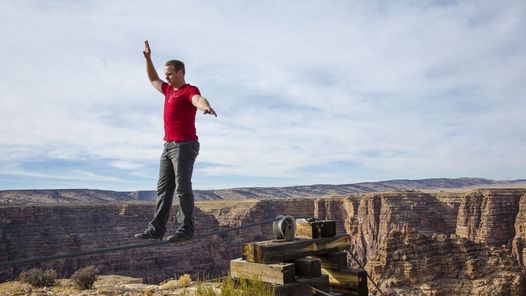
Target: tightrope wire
{"x":125,"y":247}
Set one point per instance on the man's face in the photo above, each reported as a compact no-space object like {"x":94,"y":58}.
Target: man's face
{"x":173,"y":77}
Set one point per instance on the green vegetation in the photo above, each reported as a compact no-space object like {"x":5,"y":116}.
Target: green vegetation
{"x":234,"y":287}
{"x":245,"y":287}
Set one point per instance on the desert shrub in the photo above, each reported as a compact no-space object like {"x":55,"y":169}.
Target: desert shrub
{"x":37,"y":277}
{"x":184,"y":280}
{"x":85,"y":277}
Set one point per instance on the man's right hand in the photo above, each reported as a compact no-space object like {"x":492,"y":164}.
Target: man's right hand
{"x":147,"y":51}
{"x":150,"y":69}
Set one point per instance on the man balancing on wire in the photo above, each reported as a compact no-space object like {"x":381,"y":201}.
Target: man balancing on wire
{"x":181,"y":100}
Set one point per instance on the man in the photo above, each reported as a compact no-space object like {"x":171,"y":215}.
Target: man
{"x":181,"y":100}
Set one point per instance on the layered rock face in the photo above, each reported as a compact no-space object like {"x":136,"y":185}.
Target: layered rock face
{"x":519,"y":241}
{"x":488,"y":216}
{"x":437,"y":244}
{"x":32,"y":231}
{"x":411,"y":243}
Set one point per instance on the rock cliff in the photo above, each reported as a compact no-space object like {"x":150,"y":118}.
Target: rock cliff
{"x":412,"y":243}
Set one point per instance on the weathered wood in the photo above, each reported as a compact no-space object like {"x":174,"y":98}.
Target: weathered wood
{"x":281,"y":273}
{"x":355,"y":278}
{"x":292,"y":289}
{"x":334,"y":260}
{"x":315,"y":229}
{"x":320,"y":283}
{"x":303,"y":287}
{"x":278,"y":251}
{"x":307,"y":267}
{"x":347,"y":291}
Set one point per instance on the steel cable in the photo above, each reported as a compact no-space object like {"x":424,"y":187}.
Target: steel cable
{"x":370,"y":278}
{"x":126,"y":247}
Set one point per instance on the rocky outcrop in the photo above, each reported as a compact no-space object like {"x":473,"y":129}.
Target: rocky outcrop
{"x":519,"y":241}
{"x":488,"y":216}
{"x":411,"y":243}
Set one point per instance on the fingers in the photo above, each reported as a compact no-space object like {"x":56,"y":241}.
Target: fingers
{"x":146,"y":46}
{"x":211,"y":112}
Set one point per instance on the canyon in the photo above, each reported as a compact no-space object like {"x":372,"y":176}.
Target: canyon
{"x":411,"y":242}
{"x":94,"y":196}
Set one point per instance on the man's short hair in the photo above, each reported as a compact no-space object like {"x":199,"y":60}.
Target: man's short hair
{"x":178,"y":65}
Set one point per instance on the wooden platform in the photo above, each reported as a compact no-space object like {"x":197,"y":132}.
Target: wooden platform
{"x":277,"y":251}
{"x":315,"y":259}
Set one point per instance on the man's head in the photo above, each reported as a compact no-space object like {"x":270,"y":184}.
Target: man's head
{"x":174,"y":72}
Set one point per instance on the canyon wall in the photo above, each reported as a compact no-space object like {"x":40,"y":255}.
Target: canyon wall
{"x":43,"y":231}
{"x":411,"y":243}
{"x":438,"y":244}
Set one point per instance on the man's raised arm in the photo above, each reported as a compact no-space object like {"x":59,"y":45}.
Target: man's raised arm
{"x":150,"y":69}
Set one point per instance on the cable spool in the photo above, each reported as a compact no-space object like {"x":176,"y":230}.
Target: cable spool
{"x":284,"y":228}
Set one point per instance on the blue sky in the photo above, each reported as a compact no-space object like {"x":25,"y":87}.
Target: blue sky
{"x":306,"y":92}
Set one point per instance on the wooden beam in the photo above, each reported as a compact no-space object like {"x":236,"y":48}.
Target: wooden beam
{"x":281,"y":273}
{"x":354,"y":278}
{"x":334,"y":260}
{"x":320,"y":283}
{"x":307,"y":267}
{"x":346,"y":291}
{"x":303,"y":287}
{"x":292,"y":289}
{"x":315,"y":229}
{"x":278,"y":251}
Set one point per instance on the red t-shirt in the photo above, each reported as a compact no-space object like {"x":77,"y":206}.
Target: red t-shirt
{"x":179,"y":113}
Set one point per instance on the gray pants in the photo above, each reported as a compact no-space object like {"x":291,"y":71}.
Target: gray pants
{"x":175,"y":175}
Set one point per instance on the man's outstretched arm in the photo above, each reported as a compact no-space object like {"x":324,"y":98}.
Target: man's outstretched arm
{"x":202,"y":104}
{"x":150,"y":69}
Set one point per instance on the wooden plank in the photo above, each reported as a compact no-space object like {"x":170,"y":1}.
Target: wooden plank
{"x":334,"y":260}
{"x":303,"y":287}
{"x":278,"y":251}
{"x":281,"y":273}
{"x":292,"y":289}
{"x":307,"y":267}
{"x":315,"y":229}
{"x":320,"y":283}
{"x":347,"y":291}
{"x":354,"y":278}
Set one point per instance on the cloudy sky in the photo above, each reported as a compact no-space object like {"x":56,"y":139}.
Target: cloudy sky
{"x":306,"y":92}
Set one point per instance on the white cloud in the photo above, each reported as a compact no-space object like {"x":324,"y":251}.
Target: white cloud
{"x":390,"y":90}
{"x":126,"y":165}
